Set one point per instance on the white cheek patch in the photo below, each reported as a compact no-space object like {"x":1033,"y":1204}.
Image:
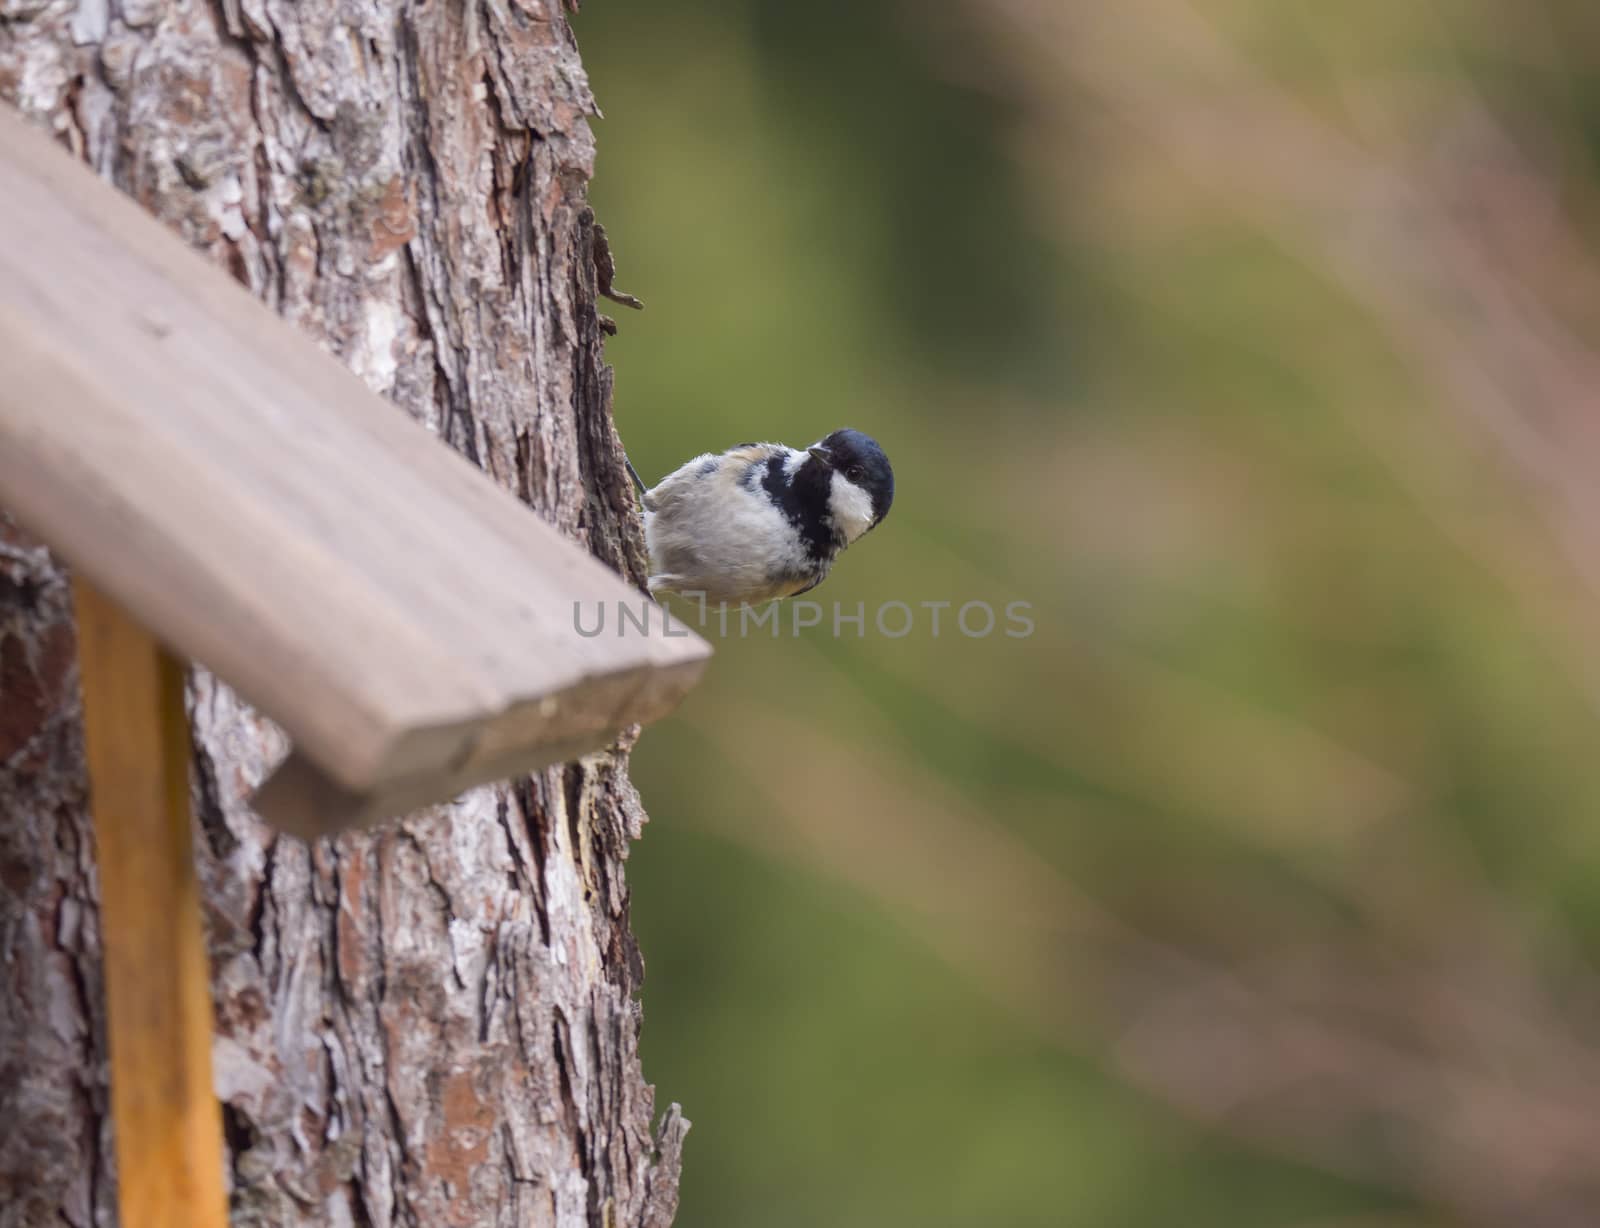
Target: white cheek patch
{"x":849,"y":507}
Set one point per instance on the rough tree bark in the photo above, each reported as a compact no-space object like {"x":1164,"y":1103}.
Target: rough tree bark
{"x":434,"y":1023}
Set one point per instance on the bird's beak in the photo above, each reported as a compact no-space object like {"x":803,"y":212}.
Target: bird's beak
{"x":822,"y":454}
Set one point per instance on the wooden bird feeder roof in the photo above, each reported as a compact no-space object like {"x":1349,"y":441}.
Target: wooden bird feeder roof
{"x":409,"y":623}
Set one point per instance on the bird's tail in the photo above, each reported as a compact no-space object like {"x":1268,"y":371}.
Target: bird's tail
{"x":634,"y":474}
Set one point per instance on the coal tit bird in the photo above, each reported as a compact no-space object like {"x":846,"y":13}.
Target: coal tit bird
{"x":762,"y":520}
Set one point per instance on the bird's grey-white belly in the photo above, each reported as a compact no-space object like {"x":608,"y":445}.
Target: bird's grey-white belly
{"x":733,"y":545}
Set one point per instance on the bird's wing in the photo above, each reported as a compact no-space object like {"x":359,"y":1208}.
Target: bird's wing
{"x":683,"y":481}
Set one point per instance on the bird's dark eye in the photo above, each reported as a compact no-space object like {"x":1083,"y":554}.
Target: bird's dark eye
{"x":854,"y":473}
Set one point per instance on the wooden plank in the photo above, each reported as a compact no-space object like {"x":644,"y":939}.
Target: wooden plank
{"x":304,"y":801}
{"x":168,"y":1129}
{"x":254,"y":504}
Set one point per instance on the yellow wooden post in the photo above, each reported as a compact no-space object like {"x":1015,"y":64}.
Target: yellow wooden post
{"x":168,"y":1129}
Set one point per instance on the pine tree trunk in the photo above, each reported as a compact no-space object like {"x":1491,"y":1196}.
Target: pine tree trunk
{"x":433,"y":1023}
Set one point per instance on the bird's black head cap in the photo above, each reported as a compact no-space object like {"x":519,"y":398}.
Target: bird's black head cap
{"x":859,"y":458}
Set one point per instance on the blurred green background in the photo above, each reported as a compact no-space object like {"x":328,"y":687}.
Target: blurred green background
{"x":1250,"y":343}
